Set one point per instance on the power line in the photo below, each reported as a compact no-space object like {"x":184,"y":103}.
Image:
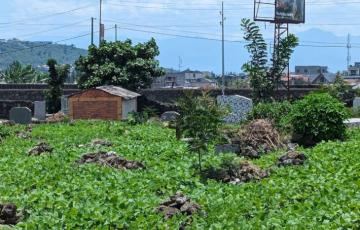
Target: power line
{"x":44,"y":45}
{"x":45,"y":16}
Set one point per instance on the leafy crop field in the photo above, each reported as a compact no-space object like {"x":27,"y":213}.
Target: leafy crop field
{"x":59,"y":194}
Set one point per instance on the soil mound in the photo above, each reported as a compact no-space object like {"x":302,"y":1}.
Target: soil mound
{"x":9,"y":215}
{"x":110,"y":159}
{"x":40,"y":148}
{"x":259,"y":137}
{"x":100,"y":143}
{"x":177,"y":204}
{"x":236,"y":173}
{"x":292,"y":158}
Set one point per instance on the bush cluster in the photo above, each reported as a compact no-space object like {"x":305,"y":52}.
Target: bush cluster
{"x":318,"y":117}
{"x":275,"y":112}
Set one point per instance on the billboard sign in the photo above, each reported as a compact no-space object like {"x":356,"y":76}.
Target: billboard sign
{"x":290,"y":11}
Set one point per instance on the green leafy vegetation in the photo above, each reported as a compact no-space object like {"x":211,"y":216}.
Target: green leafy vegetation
{"x":200,"y":119}
{"x":37,"y":53}
{"x":57,"y":76}
{"x":265,"y":79}
{"x":340,"y":90}
{"x":18,"y":73}
{"x":274,"y":111}
{"x":58,"y":194}
{"x":120,"y":63}
{"x":318,"y":117}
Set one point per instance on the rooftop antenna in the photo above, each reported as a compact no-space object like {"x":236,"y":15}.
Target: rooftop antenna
{"x":348,"y":46}
{"x":180,"y":63}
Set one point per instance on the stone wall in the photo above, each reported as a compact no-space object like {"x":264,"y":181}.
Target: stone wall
{"x":13,"y":95}
{"x":5,"y":106}
{"x":161,"y":99}
{"x":164,"y":99}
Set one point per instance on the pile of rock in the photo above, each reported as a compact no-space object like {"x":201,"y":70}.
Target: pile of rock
{"x":40,"y":148}
{"x":9,"y":215}
{"x":236,"y":173}
{"x":292,"y":158}
{"x":110,"y":159}
{"x":178,"y":204}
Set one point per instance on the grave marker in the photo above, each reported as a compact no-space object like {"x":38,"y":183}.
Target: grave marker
{"x":20,"y":115}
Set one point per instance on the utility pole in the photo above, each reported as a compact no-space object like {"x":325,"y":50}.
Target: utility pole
{"x":100,"y":24}
{"x":92,"y":31}
{"x":348,"y":46}
{"x":223,"y":47}
{"x":116,"y":32}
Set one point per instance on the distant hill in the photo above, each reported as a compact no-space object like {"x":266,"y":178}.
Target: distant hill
{"x":36,"y":53}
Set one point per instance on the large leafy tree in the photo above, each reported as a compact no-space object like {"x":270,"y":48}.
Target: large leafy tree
{"x":264,"y":78}
{"x":119,"y":63}
{"x":57,"y":76}
{"x":18,"y":73}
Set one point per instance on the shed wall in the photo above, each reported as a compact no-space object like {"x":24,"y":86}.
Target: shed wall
{"x":95,"y":104}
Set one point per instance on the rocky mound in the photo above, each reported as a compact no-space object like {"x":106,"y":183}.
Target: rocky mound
{"x":177,"y":204}
{"x":9,"y":215}
{"x":40,"y":148}
{"x":110,"y":159}
{"x":259,"y":137}
{"x":236,"y":173}
{"x":292,"y":158}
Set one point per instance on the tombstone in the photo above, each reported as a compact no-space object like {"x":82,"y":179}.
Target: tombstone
{"x":227,"y":148}
{"x":20,"y":115}
{"x":65,"y":105}
{"x":356,"y":104}
{"x":239,"y":107}
{"x":169,"y":116}
{"x":40,"y":110}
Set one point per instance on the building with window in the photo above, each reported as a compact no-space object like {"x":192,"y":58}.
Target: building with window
{"x":184,"y":79}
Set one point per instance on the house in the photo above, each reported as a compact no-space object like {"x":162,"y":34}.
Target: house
{"x":104,"y":103}
{"x":311,"y":70}
{"x":322,"y":78}
{"x":184,"y":79}
{"x":354,"y":70}
{"x":352,"y":80}
{"x":296,"y":79}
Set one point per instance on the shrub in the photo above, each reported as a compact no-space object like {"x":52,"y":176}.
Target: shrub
{"x":200,"y":119}
{"x":318,"y":117}
{"x":4,"y":132}
{"x":274,"y":111}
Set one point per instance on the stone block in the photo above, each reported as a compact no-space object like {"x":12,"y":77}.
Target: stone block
{"x":239,"y":107}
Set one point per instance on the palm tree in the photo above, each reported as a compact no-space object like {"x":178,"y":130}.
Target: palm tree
{"x":17,"y":73}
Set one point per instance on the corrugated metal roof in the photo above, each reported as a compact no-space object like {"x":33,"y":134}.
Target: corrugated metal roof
{"x":118,"y":91}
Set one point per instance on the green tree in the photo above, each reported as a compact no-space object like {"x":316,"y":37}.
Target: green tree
{"x":200,"y":119}
{"x":17,"y":73}
{"x":119,"y":63}
{"x":264,"y":79}
{"x":57,"y":76}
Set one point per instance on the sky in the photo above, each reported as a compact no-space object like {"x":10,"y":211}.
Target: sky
{"x":68,"y":22}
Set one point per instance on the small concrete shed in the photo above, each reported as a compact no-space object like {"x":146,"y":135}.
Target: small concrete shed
{"x":103,"y":103}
